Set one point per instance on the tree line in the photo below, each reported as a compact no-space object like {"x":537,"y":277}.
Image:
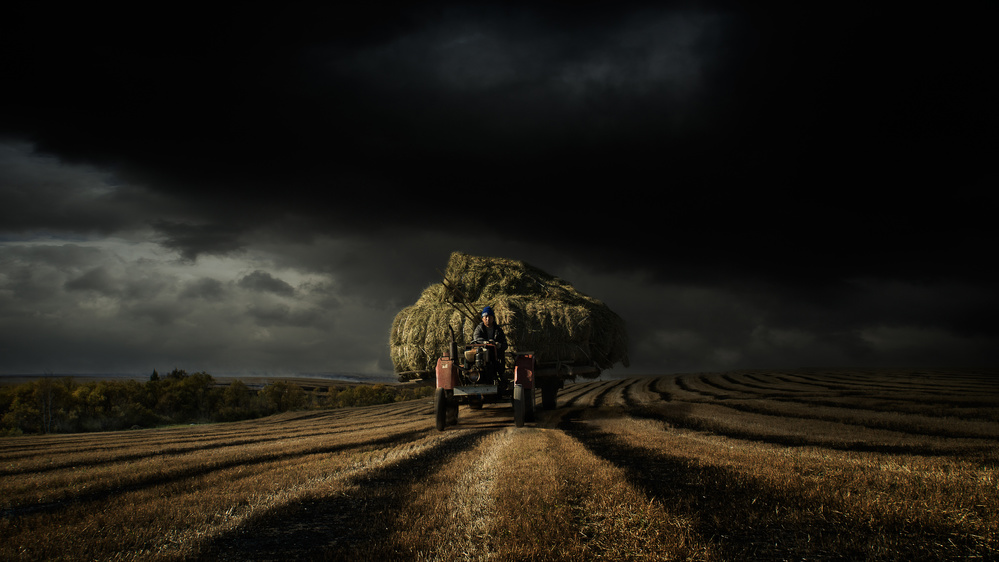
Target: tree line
{"x":64,"y":405}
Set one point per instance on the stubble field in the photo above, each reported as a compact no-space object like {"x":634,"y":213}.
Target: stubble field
{"x":791,"y":465}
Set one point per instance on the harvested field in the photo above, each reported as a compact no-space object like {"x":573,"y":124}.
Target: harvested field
{"x":802,"y":465}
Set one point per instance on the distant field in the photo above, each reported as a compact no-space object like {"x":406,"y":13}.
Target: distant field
{"x":790,"y":465}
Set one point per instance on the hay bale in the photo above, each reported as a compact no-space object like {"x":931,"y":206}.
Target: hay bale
{"x":538,"y":311}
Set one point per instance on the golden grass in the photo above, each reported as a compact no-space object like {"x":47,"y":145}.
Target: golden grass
{"x":660,"y":468}
{"x":762,"y":500}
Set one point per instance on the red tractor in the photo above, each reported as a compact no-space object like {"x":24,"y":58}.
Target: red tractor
{"x":479,"y":375}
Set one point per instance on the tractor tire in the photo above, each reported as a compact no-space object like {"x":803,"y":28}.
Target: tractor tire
{"x":452,"y":410}
{"x":529,"y":405}
{"x":440,"y":409}
{"x":519,"y":406}
{"x":549,"y":396}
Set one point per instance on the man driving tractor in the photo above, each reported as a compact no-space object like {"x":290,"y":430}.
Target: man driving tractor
{"x":486,"y":331}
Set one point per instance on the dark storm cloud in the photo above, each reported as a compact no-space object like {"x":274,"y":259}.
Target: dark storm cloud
{"x":97,"y":280}
{"x":757,"y":127}
{"x":433,"y":100}
{"x":65,"y":255}
{"x":39,"y":192}
{"x":283,"y":315}
{"x":746,"y":186}
{"x":523,"y":80}
{"x":205,"y":288}
{"x":265,"y":282}
{"x":192,"y":240}
{"x":117,"y":305}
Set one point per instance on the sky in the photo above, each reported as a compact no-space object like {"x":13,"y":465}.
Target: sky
{"x":261,"y":189}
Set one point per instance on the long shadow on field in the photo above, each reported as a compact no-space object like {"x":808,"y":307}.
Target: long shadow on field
{"x":339,"y":526}
{"x":133,"y":456}
{"x":170,"y":448}
{"x":142,"y":482}
{"x":749,"y":520}
{"x":678,"y":417}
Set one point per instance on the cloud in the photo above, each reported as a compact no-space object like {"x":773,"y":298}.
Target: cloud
{"x":327,"y":304}
{"x":205,"y":288}
{"x":265,"y":282}
{"x":40,"y":192}
{"x":729,"y":323}
{"x":193,"y":240}
{"x":110,"y":305}
{"x":97,"y":280}
{"x":518,"y":80}
{"x":714,"y":174}
{"x":914,"y":345}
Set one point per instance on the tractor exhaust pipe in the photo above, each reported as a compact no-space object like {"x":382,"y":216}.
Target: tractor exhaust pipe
{"x":453,"y":347}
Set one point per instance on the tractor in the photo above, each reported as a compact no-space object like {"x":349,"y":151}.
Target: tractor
{"x":479,"y":376}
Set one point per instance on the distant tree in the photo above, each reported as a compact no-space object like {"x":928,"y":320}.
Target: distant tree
{"x":186,"y":397}
{"x":22,"y":415}
{"x":362,"y":395}
{"x":282,"y":396}
{"x":50,"y":405}
{"x":239,"y":402}
{"x":53,"y":399}
{"x":7,"y":395}
{"x":237,"y":395}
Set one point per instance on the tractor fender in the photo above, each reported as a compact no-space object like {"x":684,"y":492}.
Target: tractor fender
{"x":447,"y":373}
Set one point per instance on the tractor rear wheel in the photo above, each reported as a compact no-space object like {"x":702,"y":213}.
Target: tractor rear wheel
{"x":440,"y":409}
{"x":529,"y":405}
{"x":549,"y":395}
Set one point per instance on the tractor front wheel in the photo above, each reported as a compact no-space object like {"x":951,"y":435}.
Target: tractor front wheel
{"x":452,"y":409}
{"x":440,"y":409}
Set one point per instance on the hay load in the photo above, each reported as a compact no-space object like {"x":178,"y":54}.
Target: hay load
{"x":538,"y":312}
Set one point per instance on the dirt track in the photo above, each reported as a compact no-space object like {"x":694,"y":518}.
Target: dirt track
{"x":714,"y":467}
